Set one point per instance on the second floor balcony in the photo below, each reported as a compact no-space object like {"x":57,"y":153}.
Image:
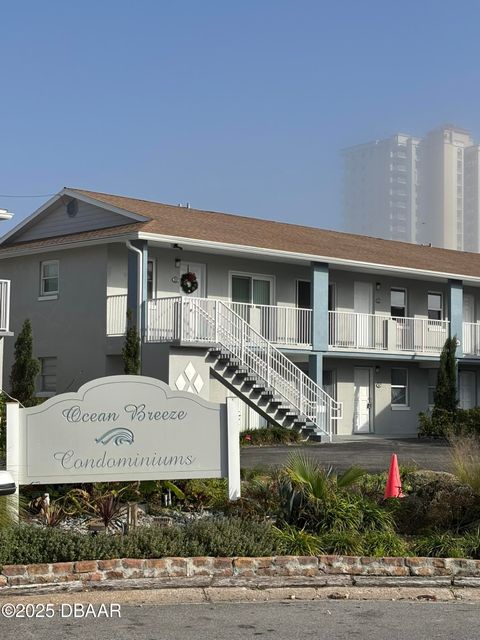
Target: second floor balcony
{"x":373,"y":332}
{"x":291,"y":327}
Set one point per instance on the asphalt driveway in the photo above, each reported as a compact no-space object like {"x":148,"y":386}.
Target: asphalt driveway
{"x":372,"y":454}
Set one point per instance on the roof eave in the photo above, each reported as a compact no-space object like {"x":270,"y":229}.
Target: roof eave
{"x":304,"y":257}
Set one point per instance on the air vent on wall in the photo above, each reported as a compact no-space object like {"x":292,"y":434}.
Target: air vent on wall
{"x":72,"y":208}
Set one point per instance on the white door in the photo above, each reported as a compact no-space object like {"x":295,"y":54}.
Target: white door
{"x":363,"y":305}
{"x":362,"y":403}
{"x":200,"y":270}
{"x":195,"y":325}
{"x":469,"y":329}
{"x":466,"y":389}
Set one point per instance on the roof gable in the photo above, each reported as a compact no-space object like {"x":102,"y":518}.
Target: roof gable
{"x":68,"y":214}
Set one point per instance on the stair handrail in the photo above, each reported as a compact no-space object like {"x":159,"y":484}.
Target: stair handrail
{"x":305,"y":395}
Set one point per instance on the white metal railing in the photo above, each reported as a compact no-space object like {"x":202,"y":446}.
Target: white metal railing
{"x":368,"y":331}
{"x":471,"y":339}
{"x":286,"y":326}
{"x":116,"y":315}
{"x":290,"y":326}
{"x":356,"y":330}
{"x":4,"y":305}
{"x":420,"y":334}
{"x":215,"y":322}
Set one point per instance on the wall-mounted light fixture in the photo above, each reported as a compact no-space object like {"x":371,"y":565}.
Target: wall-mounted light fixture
{"x":178,"y":262}
{"x":177,"y":246}
{"x":377,"y":369}
{"x":378,"y":286}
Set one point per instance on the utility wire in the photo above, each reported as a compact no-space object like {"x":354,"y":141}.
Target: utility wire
{"x":40,"y":195}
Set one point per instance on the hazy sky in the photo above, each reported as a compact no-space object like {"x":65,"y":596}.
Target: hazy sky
{"x":238,"y":106}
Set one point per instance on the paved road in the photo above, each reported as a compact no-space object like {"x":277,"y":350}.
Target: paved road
{"x":371,"y":454}
{"x":339,"y":620}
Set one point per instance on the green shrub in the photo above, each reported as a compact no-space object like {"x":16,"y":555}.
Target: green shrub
{"x":233,"y":537}
{"x":384,"y":543}
{"x":342,"y":543}
{"x":208,"y":494}
{"x":208,"y":537}
{"x":471,"y":543}
{"x":436,"y":425}
{"x":437,"y":501}
{"x":298,"y":542}
{"x":466,"y":461}
{"x":440,"y":545}
{"x":346,"y":512}
{"x":270,"y":435}
{"x":444,"y":424}
{"x":467,"y":422}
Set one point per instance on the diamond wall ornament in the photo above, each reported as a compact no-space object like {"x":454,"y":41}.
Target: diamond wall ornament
{"x":180,"y":383}
{"x":190,"y":371}
{"x":198,"y":383}
{"x":190,"y":380}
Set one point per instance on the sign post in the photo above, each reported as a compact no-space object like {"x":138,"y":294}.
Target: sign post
{"x":233,"y":423}
{"x":13,"y":452}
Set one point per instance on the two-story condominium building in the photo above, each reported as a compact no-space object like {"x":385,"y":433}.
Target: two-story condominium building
{"x":332,"y":332}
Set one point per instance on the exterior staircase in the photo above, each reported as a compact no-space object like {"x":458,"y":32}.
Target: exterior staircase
{"x":255,"y":392}
{"x":249,"y":365}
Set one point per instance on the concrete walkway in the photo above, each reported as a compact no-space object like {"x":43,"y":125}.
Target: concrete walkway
{"x":370,"y":453}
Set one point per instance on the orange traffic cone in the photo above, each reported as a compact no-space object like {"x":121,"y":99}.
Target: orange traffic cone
{"x":394,"y":484}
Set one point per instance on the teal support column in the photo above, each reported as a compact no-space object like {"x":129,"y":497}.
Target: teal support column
{"x":132,"y":279}
{"x":315,"y":368}
{"x":455,"y":296}
{"x":319,"y":289}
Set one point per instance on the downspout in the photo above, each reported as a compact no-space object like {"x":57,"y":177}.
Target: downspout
{"x":139,"y":294}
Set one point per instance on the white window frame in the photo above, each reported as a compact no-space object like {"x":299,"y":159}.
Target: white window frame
{"x":47,"y":393}
{"x":49,"y":295}
{"x":442,"y":306}
{"x":431,"y":386}
{"x":406,"y":300}
{"x":154,"y":278}
{"x":253,"y":276}
{"x":400,"y":407}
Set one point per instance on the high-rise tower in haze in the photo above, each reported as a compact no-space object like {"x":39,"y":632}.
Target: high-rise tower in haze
{"x":417,"y":190}
{"x":379,"y":195}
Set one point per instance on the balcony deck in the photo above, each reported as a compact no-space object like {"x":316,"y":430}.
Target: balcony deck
{"x":291,"y":327}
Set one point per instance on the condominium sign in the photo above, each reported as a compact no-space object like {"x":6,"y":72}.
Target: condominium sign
{"x":120,"y":428}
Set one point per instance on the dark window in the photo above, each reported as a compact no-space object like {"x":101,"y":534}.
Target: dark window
{"x":398,"y":303}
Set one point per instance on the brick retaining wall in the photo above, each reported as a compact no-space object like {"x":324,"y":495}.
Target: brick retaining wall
{"x":308,"y":570}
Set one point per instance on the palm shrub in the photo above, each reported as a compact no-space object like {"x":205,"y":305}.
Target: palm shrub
{"x":321,"y":502}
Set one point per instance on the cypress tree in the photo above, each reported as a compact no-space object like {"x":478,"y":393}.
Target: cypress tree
{"x":445,"y":397}
{"x":25,"y":368}
{"x":131,"y":349}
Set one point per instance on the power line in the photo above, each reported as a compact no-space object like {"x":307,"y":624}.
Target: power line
{"x":40,"y":195}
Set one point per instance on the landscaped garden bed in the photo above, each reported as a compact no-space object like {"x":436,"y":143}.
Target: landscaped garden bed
{"x":300,"y":509}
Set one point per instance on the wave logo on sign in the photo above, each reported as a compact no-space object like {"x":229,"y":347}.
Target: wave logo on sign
{"x":118,"y":436}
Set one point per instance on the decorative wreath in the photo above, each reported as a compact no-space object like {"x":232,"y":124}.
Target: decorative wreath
{"x":189,"y":282}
